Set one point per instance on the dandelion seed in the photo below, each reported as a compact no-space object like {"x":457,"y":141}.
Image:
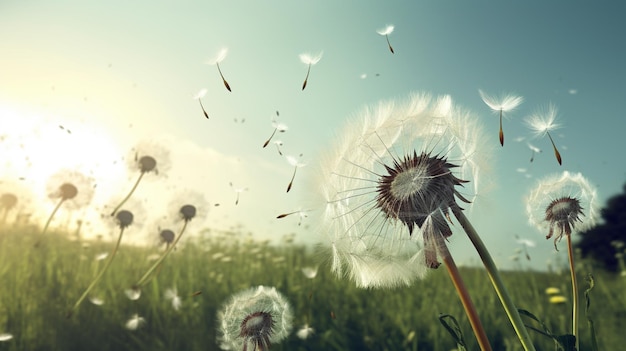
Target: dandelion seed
{"x":309,"y":60}
{"x":96,"y":300}
{"x":542,"y":123}
{"x":101,"y":256}
{"x":145,"y":161}
{"x":302,"y":214}
{"x":5,"y":337}
{"x":385,"y":32}
{"x":305,"y":332}
{"x":171,"y":294}
{"x":278,"y":144}
{"x":237,"y":191}
{"x":504,"y":103}
{"x":278,"y":127}
{"x":135,"y":322}
{"x":133,"y":293}
{"x":199,"y":97}
{"x":254,"y":319}
{"x":296,"y":164}
{"x":220,"y":57}
{"x":309,"y":272}
{"x":535,"y":150}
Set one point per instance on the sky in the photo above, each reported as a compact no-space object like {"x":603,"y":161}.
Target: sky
{"x":82,"y":83}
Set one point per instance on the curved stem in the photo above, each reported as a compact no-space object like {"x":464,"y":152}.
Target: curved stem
{"x":496,"y":280}
{"x":129,"y":194}
{"x":100,"y":274}
{"x":466,"y":300}
{"x":572,"y":269}
{"x":56,"y":208}
{"x":145,"y":277}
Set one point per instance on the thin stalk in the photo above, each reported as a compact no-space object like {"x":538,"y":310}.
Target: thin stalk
{"x":56,"y":208}
{"x":570,"y":253}
{"x":466,"y":300}
{"x":100,"y":274}
{"x":496,"y":280}
{"x":145,"y":277}
{"x":129,"y":194}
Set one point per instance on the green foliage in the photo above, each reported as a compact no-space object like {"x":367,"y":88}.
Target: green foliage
{"x":602,"y":242}
{"x":40,"y":284}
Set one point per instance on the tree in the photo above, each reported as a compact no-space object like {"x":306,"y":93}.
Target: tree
{"x":599,"y":242}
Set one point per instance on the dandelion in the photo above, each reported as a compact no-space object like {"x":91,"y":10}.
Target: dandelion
{"x":199,"y":97}
{"x":305,"y":332}
{"x":124,"y":219}
{"x":309,"y":60}
{"x":296,"y":164}
{"x":71,"y":188}
{"x":386,"y":31}
{"x":535,"y":150}
{"x":394,"y":174}
{"x":542,"y":123}
{"x":254,"y":319}
{"x":504,"y":103}
{"x":563,"y":202}
{"x":147,"y":156}
{"x":552,"y":291}
{"x":237,"y":191}
{"x":166,"y":236}
{"x":278,"y":127}
{"x":221,"y":55}
{"x":194,"y":205}
{"x":171,"y":294}
{"x":557,"y":300}
{"x":135,"y":322}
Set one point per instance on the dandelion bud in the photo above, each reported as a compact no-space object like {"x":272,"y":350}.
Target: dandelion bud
{"x":124,"y":218}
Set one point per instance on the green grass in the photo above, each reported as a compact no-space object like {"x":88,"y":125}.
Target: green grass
{"x":38,"y":285}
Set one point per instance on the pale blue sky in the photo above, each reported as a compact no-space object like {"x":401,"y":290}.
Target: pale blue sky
{"x":129,"y":70}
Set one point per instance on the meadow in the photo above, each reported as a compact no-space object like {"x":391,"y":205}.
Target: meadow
{"x":42,"y":276}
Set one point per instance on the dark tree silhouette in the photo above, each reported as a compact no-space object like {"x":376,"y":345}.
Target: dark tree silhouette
{"x":598,"y":243}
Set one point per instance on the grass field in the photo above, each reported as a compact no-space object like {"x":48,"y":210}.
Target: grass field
{"x":40,"y":283}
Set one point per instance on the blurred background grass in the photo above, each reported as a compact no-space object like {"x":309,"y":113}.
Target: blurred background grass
{"x":40,"y":283}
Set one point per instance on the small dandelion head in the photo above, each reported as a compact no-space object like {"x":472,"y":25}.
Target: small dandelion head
{"x":135,"y":322}
{"x":187,"y":212}
{"x":124,"y":218}
{"x":149,"y":157}
{"x":72,"y":187}
{"x":561,"y":203}
{"x":254,"y":319}
{"x":398,"y":169}
{"x":557,"y":299}
{"x":8,"y":201}
{"x":552,"y":291}
{"x":387,"y":30}
{"x":167,"y":236}
{"x":189,"y":204}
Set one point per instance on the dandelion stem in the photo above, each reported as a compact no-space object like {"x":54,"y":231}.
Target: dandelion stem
{"x":145,"y":277}
{"x":496,"y":280}
{"x":270,"y":138}
{"x":466,"y":300}
{"x":501,"y":132}
{"x":557,"y":154}
{"x":100,"y":274}
{"x":56,"y":208}
{"x":292,"y":178}
{"x":203,"y":110}
{"x":572,"y":269}
{"x":129,"y":194}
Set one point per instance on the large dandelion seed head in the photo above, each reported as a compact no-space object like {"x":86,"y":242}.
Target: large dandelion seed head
{"x":149,"y":157}
{"x":562,"y":203}
{"x":254,"y":319}
{"x":388,"y":183}
{"x":72,"y":187}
